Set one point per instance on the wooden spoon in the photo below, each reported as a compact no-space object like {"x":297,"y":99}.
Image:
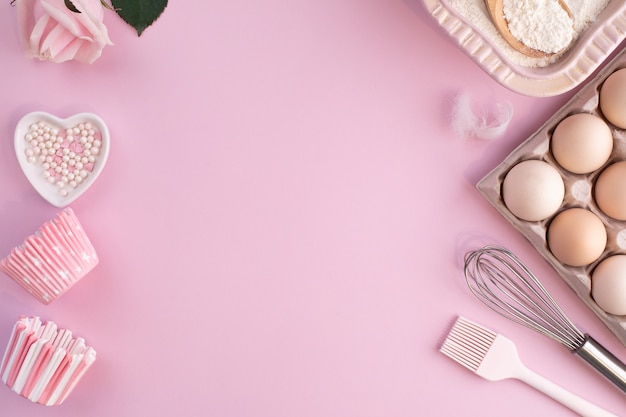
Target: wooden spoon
{"x":496,"y":10}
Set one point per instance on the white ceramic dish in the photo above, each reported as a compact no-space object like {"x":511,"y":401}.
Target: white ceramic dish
{"x":34,"y":170}
{"x":590,"y":50}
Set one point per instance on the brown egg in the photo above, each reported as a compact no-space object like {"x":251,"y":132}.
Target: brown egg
{"x":610,"y":191}
{"x":576,"y":237}
{"x":582,"y":143}
{"x":608,"y":285}
{"x":613,"y":98}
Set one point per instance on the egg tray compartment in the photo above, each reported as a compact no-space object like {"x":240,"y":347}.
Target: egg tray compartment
{"x":578,"y":193}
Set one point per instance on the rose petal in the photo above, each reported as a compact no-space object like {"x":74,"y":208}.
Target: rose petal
{"x":39,"y":31}
{"x":56,"y":42}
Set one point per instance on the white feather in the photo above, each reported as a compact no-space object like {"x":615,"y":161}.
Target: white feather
{"x":489,"y":125}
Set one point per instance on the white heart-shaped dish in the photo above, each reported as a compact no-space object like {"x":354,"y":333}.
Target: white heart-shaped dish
{"x":61,"y":158}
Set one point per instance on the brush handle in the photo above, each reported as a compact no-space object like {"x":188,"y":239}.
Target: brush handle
{"x":560,"y":394}
{"x":603,"y":361}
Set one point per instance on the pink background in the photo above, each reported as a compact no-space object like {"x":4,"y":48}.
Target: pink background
{"x":282,"y":217}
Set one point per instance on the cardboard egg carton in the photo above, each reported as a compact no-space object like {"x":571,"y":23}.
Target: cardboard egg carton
{"x":578,"y":193}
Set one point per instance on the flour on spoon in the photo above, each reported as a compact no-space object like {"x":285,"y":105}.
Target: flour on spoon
{"x":476,"y":14}
{"x":542,"y":25}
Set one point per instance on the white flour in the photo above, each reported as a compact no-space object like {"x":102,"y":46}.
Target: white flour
{"x":539,"y":24}
{"x":475,"y":12}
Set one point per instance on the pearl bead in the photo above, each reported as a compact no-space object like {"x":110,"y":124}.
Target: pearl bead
{"x":64,"y":193}
{"x":29,"y":152}
{"x":97,"y":143}
{"x":73,"y":184}
{"x":79,"y":165}
{"x":84,"y":173}
{"x":32,"y":159}
{"x":95,"y":150}
{"x":70,"y":138}
{"x":92,"y":159}
{"x":46,"y":166}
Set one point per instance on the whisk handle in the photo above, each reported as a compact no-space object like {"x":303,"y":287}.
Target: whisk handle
{"x":603,"y":361}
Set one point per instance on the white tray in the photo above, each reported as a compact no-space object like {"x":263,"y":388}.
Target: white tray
{"x":590,"y":50}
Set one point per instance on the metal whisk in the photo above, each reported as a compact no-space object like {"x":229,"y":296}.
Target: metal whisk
{"x":501,"y":281}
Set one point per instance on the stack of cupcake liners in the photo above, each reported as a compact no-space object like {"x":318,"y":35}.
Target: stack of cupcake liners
{"x":53,"y":259}
{"x":44,"y":363}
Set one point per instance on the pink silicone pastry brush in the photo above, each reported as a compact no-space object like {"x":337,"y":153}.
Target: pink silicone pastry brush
{"x":494,"y":357}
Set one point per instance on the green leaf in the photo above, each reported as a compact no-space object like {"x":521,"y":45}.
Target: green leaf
{"x":71,"y":6}
{"x":139,"y":13}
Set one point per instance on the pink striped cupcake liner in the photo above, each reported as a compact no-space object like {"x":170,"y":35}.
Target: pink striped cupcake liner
{"x":53,"y":259}
{"x":44,"y":363}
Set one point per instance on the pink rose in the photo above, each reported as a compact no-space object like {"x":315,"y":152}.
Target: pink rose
{"x":50,"y":31}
